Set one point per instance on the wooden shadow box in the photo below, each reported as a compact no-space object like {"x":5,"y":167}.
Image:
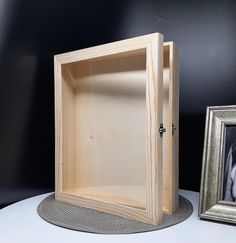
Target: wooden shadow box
{"x":113,"y":104}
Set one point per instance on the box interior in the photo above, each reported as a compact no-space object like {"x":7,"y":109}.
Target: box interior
{"x":104,"y":128}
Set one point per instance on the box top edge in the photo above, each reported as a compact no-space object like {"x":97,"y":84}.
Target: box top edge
{"x":146,"y":38}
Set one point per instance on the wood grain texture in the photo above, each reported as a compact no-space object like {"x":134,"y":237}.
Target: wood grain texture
{"x":170,"y":118}
{"x":119,"y":194}
{"x":84,"y":82}
{"x":154,"y":108}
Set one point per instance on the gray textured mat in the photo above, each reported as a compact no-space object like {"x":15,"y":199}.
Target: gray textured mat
{"x":88,"y":220}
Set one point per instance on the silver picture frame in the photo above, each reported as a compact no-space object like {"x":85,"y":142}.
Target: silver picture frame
{"x":212,"y":203}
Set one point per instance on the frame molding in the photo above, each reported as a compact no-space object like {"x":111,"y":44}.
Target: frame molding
{"x":211,"y":206}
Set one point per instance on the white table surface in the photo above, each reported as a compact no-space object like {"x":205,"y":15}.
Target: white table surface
{"x":20,"y":223}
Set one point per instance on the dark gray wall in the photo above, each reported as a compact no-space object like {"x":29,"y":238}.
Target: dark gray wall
{"x":31,"y":32}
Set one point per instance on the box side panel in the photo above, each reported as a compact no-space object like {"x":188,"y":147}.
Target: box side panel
{"x":65,"y":125}
{"x":57,"y":95}
{"x":170,"y":118}
{"x":154,"y":97}
{"x":176,"y":125}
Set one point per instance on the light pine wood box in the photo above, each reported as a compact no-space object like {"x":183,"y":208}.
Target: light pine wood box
{"x":110,"y":103}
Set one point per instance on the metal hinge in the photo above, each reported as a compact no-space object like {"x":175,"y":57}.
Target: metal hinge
{"x":162,"y":129}
{"x":173,"y":128}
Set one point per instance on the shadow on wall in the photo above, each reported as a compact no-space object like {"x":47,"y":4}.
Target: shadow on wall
{"x":191,"y":150}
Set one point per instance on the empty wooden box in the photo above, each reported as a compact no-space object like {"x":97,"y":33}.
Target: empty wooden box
{"x":112,"y":105}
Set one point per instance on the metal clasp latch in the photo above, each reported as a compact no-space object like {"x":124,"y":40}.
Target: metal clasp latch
{"x":173,"y":128}
{"x":162,"y":129}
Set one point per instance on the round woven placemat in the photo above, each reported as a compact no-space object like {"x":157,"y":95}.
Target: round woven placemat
{"x":87,"y":220}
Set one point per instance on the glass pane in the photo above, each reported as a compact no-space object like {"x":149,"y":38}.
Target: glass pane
{"x":229,"y":175}
{"x":104,"y":128}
